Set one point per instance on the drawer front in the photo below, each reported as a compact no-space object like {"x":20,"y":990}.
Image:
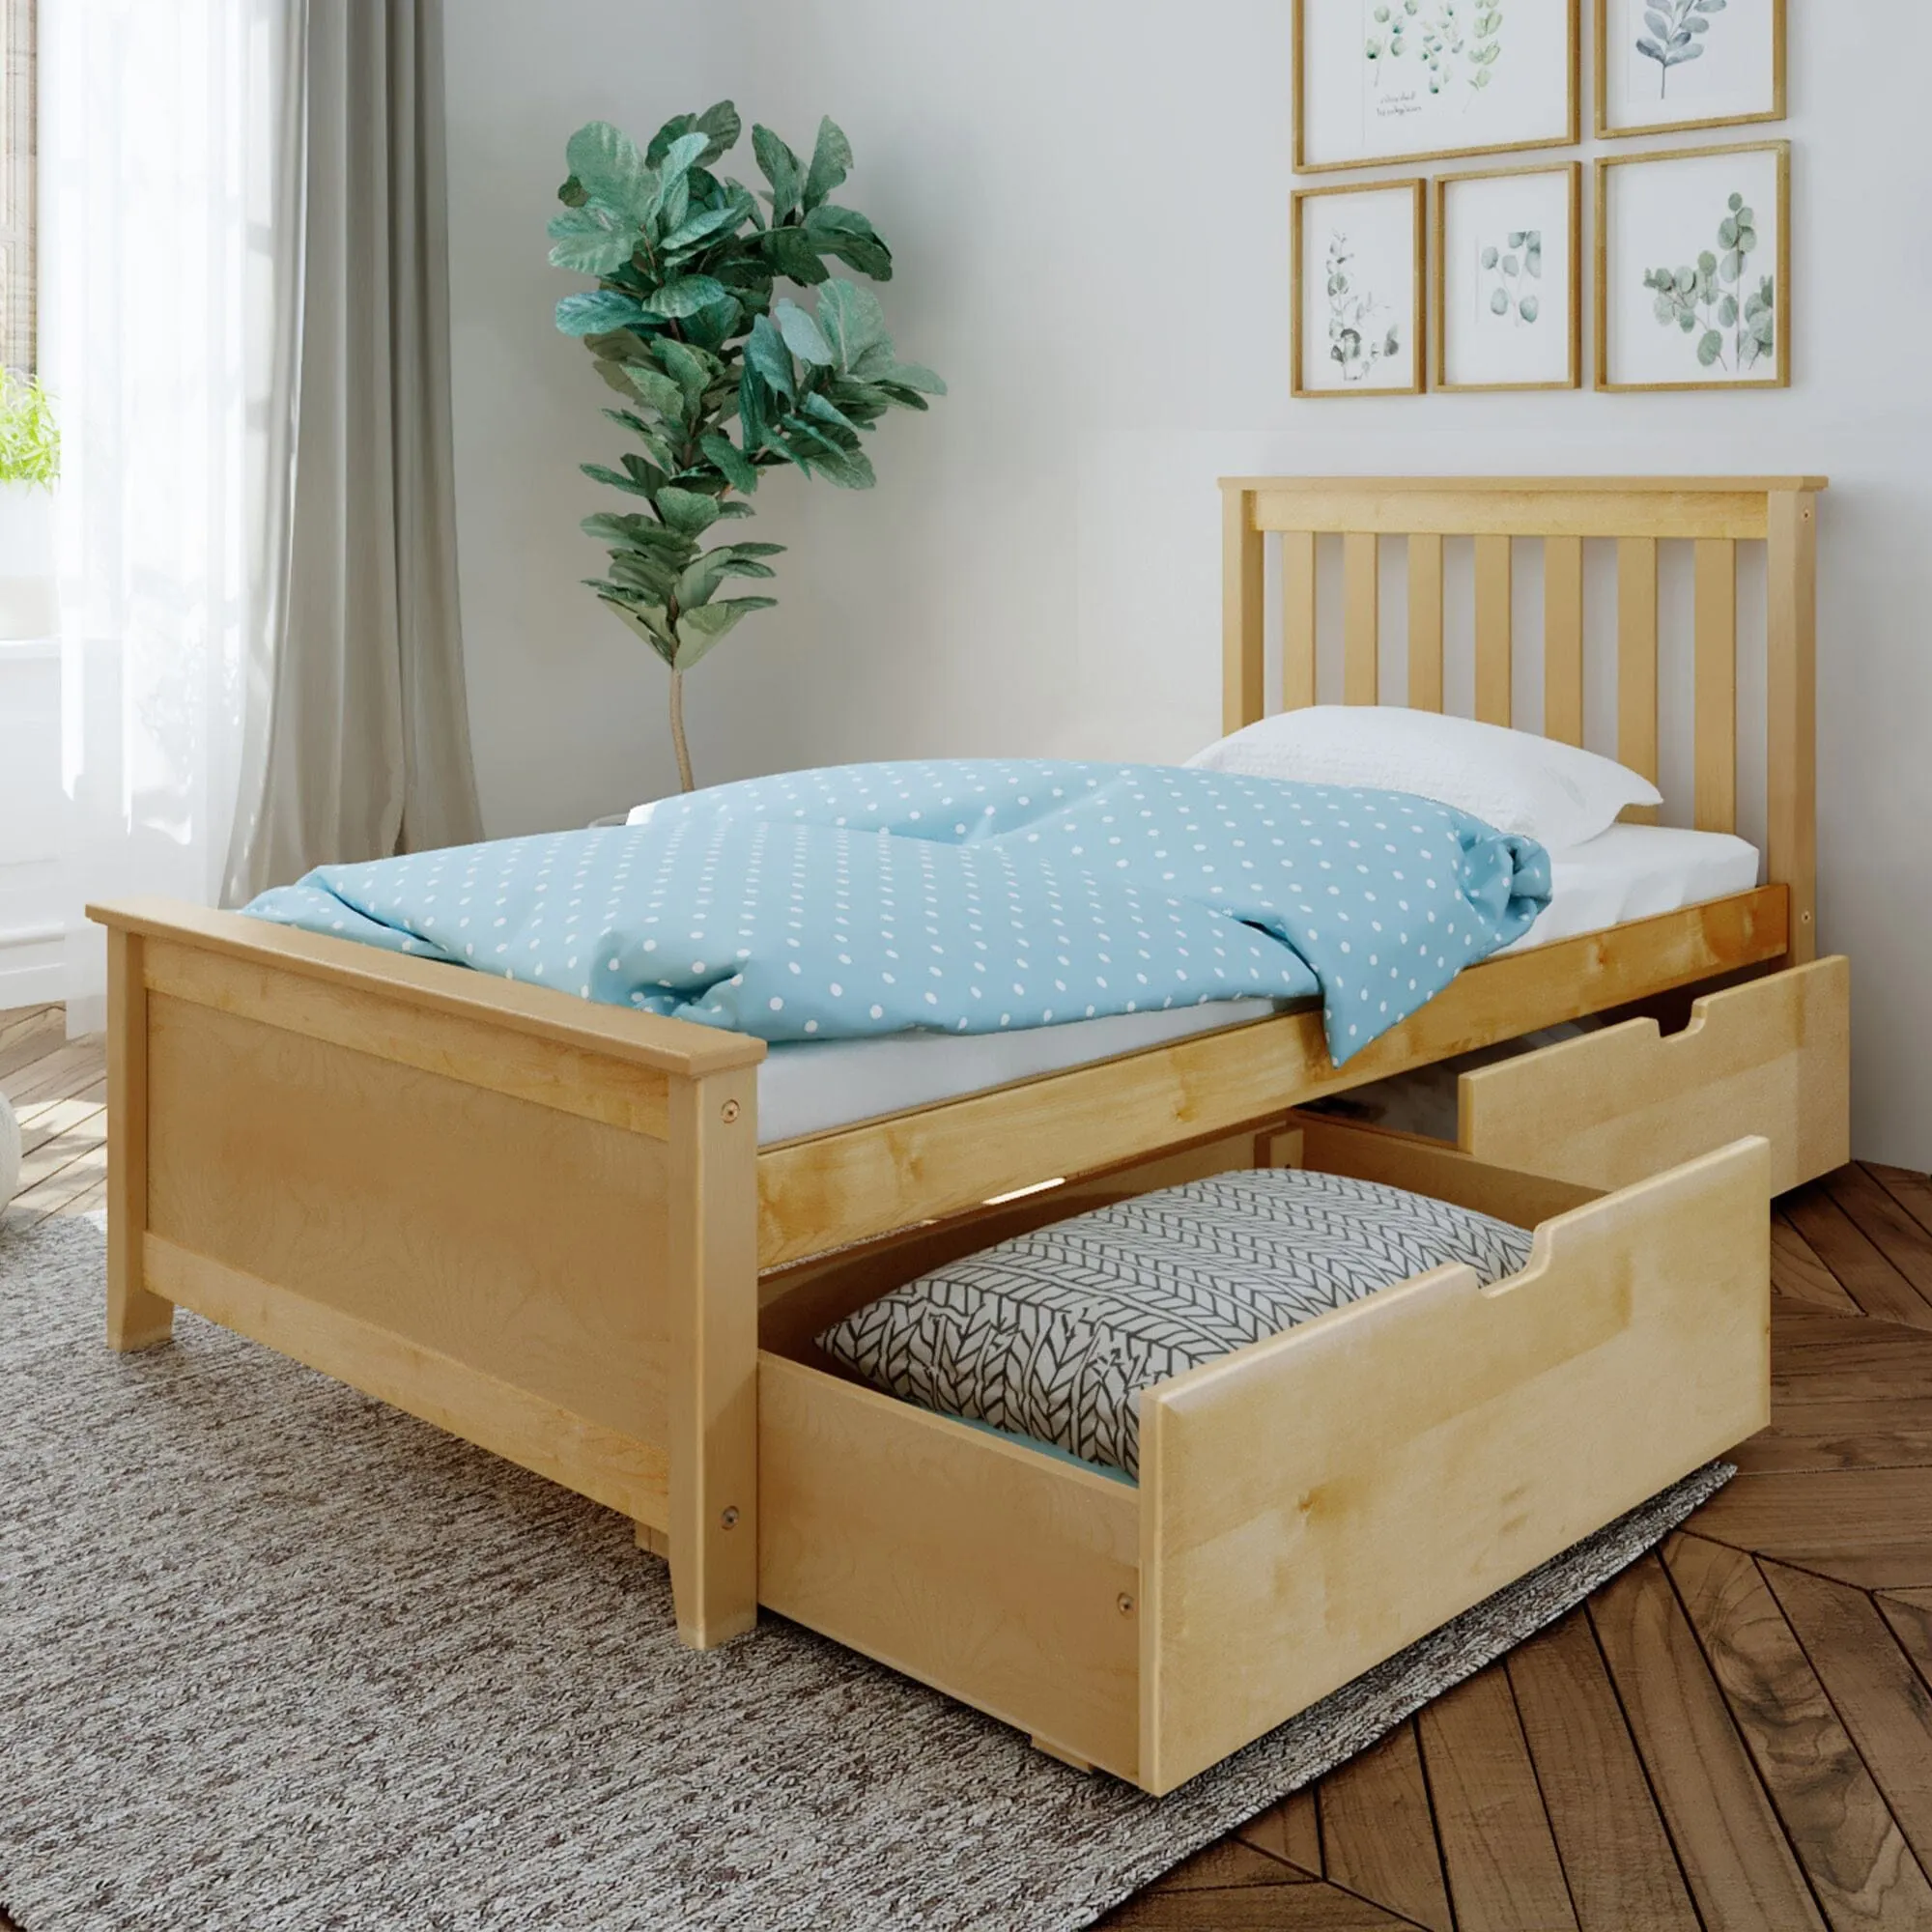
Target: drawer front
{"x":1315,"y":1502}
{"x":1772,"y":1057}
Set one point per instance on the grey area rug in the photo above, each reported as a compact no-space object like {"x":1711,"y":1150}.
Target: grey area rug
{"x":273,"y":1656}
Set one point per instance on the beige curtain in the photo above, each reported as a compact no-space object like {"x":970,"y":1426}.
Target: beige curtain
{"x":358,"y":736}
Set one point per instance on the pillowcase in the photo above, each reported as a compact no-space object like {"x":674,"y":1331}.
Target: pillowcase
{"x":1053,"y":1335}
{"x":1552,"y":792}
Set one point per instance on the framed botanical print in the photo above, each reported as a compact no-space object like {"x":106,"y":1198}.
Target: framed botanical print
{"x":1509,"y":278}
{"x":1693,"y":269}
{"x":1668,"y":66}
{"x":1356,"y":310}
{"x":1420,"y":81}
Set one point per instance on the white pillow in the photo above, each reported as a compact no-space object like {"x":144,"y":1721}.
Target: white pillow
{"x":1549,"y":791}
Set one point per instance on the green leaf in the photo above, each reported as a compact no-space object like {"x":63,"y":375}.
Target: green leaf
{"x":658,"y":390}
{"x":1500,"y":304}
{"x":691,"y":371}
{"x":652,"y":623}
{"x":801,"y":334}
{"x":596,"y":310}
{"x":1710,"y":345}
{"x":1490,"y":257}
{"x":766,"y":353}
{"x":793,"y":256}
{"x":697,"y":631}
{"x":606,"y":162}
{"x":725,"y":454}
{"x":686,"y":511}
{"x":779,"y":167}
{"x":1529,"y":308}
{"x":831,"y":162}
{"x":852,"y":320}
{"x":720,"y":121}
{"x":706,"y":222}
{"x":593,"y":239}
{"x":686,"y":294}
{"x":846,"y":235}
{"x":601,"y":472}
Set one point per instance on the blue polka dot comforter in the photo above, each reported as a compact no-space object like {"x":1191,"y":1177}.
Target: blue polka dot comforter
{"x":966,"y":897}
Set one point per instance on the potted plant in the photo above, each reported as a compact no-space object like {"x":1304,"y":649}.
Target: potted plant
{"x":688,"y":327}
{"x":29,"y":466}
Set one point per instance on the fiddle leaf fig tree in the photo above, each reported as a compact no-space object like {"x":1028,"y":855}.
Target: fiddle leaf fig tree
{"x":688,"y":325}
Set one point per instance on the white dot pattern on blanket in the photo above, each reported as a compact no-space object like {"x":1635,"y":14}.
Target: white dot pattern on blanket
{"x":966,"y":897}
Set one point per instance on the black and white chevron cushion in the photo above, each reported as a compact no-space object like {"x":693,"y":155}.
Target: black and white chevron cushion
{"x":1055,"y":1333}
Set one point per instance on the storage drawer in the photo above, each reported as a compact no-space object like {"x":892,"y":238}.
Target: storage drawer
{"x":1771,"y":1057}
{"x":1309,"y":1505}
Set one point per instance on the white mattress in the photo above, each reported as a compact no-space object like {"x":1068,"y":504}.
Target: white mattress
{"x":1631,"y":873}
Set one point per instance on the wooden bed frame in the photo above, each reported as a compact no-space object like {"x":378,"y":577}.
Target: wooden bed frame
{"x":547,"y":1226}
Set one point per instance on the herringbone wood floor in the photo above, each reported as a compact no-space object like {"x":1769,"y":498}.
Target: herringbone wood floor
{"x":1736,"y":1734}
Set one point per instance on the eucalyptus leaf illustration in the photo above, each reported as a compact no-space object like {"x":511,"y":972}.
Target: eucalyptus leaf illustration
{"x":1453,"y":40}
{"x":1734,"y":327}
{"x":1504,"y":270}
{"x":1355,"y":346}
{"x":1675,"y":32}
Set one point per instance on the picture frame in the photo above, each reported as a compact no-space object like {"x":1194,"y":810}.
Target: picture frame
{"x":1369,"y":90}
{"x":1673,"y":67}
{"x":1722,"y":310}
{"x":1509,"y":304}
{"x":1366,"y":336}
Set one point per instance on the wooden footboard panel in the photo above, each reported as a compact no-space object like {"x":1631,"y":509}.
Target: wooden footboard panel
{"x":524,"y":1220}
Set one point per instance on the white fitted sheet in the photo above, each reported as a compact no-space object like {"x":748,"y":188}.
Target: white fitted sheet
{"x":808,"y":1086}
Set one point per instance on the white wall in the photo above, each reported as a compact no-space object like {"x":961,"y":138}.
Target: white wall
{"x":1088,"y":205}
{"x":31,"y":902}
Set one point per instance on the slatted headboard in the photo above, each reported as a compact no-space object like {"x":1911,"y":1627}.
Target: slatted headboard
{"x":1715,"y":514}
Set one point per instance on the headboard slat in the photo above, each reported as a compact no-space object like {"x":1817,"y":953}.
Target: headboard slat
{"x":1563,"y":639}
{"x":1636,"y":662}
{"x":1715,"y":514}
{"x":1716,"y":645}
{"x":1494,"y":620}
{"x":1361,"y":619}
{"x":1297,"y":620}
{"x":1425,"y":623}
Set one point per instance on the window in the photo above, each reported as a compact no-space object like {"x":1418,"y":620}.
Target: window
{"x":17,"y":349}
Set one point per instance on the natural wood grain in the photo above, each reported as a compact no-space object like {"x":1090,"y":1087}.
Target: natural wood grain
{"x":1291,"y":1830}
{"x":1501,"y":1858}
{"x":1361,"y":621}
{"x":1735,"y":1857}
{"x":1636,"y":662}
{"x":1845,"y":1837}
{"x":711,"y":1333}
{"x":1716,"y":704}
{"x":1679,"y":508}
{"x":1495,"y":621}
{"x":1297,"y":620}
{"x":610,"y":1466}
{"x":136,"y":1316}
{"x":1872,"y":1526}
{"x":1243,"y":564}
{"x":32,"y":1033}
{"x":1792,"y":730}
{"x":1617,"y":1854}
{"x":1425,"y":622}
{"x":1378,"y":1834}
{"x":976,"y":1565}
{"x":826,"y":1192}
{"x":1884,"y":1221}
{"x":1884,"y":1703}
{"x":1563,"y":639}
{"x":1912,"y":1191}
{"x":1909,"y":1614}
{"x":1476,"y":1430}
{"x":1860,"y":1432}
{"x":1772,"y":1057}
{"x":1292,"y":1903}
{"x":1798,"y":1273}
{"x":1859,"y":1268}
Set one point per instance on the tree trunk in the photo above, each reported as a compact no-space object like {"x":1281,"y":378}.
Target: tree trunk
{"x":677,"y":731}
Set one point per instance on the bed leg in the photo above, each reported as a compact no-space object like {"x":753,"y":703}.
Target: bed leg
{"x":657,"y":1541}
{"x":135,"y":1319}
{"x":714,"y":1356}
